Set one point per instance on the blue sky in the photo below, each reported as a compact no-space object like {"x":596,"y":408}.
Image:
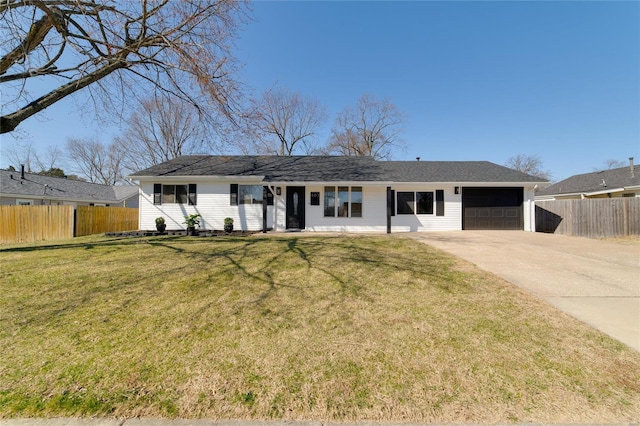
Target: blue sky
{"x":478,"y":80}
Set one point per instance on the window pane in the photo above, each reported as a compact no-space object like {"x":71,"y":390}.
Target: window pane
{"x":233,"y":194}
{"x":250,"y":194}
{"x":181,"y":194}
{"x":405,"y":202}
{"x":168,"y":194}
{"x":356,"y":201}
{"x":157,"y":193}
{"x":329,"y":201}
{"x":424,"y":202}
{"x":343,"y":201}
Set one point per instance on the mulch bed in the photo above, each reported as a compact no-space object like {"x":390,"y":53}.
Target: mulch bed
{"x":180,"y":233}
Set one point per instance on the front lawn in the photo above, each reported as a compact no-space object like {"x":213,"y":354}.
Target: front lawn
{"x":332,"y":328}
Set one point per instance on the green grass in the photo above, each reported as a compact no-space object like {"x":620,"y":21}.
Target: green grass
{"x":333,"y":328}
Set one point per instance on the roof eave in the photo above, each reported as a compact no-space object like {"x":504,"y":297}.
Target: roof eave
{"x":197,"y":178}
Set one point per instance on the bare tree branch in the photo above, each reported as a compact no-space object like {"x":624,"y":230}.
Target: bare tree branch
{"x":167,"y":43}
{"x":161,"y":129}
{"x":282,"y":121}
{"x":373,"y":128}
{"x":529,"y":164}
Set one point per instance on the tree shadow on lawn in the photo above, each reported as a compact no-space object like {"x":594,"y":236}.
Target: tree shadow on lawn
{"x":367,"y":257}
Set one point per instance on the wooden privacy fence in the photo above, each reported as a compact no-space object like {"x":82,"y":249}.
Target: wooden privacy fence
{"x":98,"y":220}
{"x":23,"y":224}
{"x":594,"y":217}
{"x":20,"y":224}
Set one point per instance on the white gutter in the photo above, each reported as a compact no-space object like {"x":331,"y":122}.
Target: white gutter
{"x":195,"y":179}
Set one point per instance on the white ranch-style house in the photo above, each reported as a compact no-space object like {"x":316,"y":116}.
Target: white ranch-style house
{"x":336,"y":193}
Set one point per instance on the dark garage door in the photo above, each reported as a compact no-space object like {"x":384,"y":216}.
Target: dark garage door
{"x":492,"y":208}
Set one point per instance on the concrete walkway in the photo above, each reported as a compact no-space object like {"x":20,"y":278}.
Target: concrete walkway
{"x":595,"y":281}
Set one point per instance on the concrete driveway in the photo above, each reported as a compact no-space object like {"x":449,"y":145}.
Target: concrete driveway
{"x":597,"y":282}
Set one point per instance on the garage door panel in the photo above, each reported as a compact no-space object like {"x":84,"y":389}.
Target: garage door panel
{"x":492,"y":208}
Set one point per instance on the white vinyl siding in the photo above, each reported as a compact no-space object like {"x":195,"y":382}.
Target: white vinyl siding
{"x":213,"y":207}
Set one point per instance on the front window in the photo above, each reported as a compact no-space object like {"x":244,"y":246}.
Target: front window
{"x":174,"y":194}
{"x":405,"y":202}
{"x":343,"y":201}
{"x":249,"y":194}
{"x":424,"y":202}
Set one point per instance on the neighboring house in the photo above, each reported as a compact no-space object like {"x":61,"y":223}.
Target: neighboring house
{"x":330,"y":193}
{"x":621,"y":182}
{"x":19,"y":188}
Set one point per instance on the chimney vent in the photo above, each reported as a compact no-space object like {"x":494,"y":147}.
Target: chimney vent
{"x":631,"y":166}
{"x":417,"y":158}
{"x":21,"y":171}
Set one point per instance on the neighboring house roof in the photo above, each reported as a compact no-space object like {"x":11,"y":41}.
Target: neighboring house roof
{"x":596,"y":182}
{"x":47,"y":187}
{"x":334,"y":169}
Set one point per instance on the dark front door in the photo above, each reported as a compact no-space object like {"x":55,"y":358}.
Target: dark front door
{"x":492,"y":208}
{"x":295,"y":207}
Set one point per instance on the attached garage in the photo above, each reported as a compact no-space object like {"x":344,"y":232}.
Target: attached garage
{"x":492,"y":208}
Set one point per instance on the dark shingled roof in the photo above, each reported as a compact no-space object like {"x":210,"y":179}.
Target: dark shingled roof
{"x":335,"y":169}
{"x":592,"y":182}
{"x":454,"y":171}
{"x":57,"y":188}
{"x":273,"y":168}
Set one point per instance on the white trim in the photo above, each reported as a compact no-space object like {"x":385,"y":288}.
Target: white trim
{"x":23,"y":202}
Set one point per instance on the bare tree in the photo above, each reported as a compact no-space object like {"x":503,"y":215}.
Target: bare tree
{"x":283,"y":121}
{"x":34,"y":161}
{"x":69,"y":45}
{"x":163,"y":128}
{"x":372,"y":128}
{"x":529,"y":164}
{"x":98,"y":162}
{"x":610,"y":164}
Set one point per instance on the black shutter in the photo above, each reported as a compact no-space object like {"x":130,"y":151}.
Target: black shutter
{"x":193,"y":197}
{"x":157,"y":193}
{"x":234,"y":194}
{"x":439,"y":202}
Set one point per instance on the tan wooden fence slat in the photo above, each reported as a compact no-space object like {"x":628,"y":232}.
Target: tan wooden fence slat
{"x":594,"y":218}
{"x":22,"y":224}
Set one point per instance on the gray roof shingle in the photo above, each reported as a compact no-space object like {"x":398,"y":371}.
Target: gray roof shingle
{"x":37,"y":186}
{"x":335,"y":168}
{"x":593,"y":182}
{"x":454,"y":171}
{"x":273,"y":168}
